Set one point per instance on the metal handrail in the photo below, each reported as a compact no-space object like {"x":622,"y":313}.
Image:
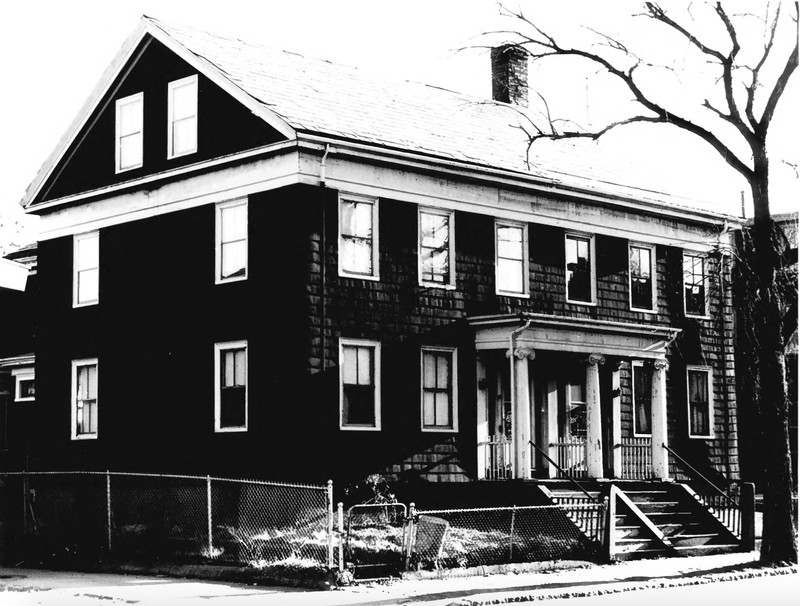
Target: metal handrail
{"x":564,"y":472}
{"x":701,"y":476}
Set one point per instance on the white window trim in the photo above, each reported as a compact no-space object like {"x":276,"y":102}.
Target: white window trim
{"x":653,"y":278}
{"x":640,"y":364}
{"x":710,"y":381}
{"x":706,"y":284}
{"x":22,"y":374}
{"x":219,"y":348}
{"x":375,"y":275}
{"x":592,"y":267}
{"x":454,"y":390}
{"x":75,"y":239}
{"x":376,"y":345}
{"x":74,"y":399}
{"x":526,"y":287}
{"x":450,"y":214}
{"x":136,"y":98}
{"x":220,"y":206}
{"x":170,"y":92}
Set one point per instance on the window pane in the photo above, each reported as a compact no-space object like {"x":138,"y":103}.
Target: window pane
{"x":642,"y":398}
{"x":184,"y":136}
{"x":509,"y":242}
{"x":234,"y":259}
{"x":435,"y":264}
{"x":240,"y":367}
{"x":359,"y":405}
{"x":357,"y":219}
{"x":227,"y":369}
{"x":88,"y":285}
{"x":443,"y":371}
{"x":428,"y":370}
{"x":442,"y":409}
{"x":233,"y":402}
{"x":357,"y":256}
{"x":434,"y":230}
{"x":130,"y":151}
{"x":27,"y":388}
{"x":130,"y":117}
{"x":88,"y":251}
{"x":91,"y":393}
{"x":428,"y":408}
{"x":234,"y":222}
{"x":365,"y":365}
{"x":509,"y":275}
{"x":184,"y":101}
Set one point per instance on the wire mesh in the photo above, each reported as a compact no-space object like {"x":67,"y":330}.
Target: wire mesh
{"x":144,"y":518}
{"x":487,"y":536}
{"x":374,"y":534}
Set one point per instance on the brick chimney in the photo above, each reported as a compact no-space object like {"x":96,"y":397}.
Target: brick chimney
{"x":510,"y":75}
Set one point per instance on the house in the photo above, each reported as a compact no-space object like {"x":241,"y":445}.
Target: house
{"x":253,"y":263}
{"x":17,"y":373}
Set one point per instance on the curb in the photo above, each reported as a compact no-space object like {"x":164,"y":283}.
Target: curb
{"x":653,"y":584}
{"x":482,"y":571}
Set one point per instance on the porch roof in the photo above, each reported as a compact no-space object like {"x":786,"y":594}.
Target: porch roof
{"x":562,"y":333}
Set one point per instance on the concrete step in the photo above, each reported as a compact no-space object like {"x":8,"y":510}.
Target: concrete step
{"x":656,"y":506}
{"x":629,"y":531}
{"x":636,"y":544}
{"x":644,"y":496}
{"x":710,"y":549}
{"x":669,"y":529}
{"x":642,"y":554}
{"x":692,"y":540}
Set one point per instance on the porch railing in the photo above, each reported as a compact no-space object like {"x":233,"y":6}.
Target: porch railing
{"x":637,"y":459}
{"x":497,"y":458}
{"x":571,"y":456}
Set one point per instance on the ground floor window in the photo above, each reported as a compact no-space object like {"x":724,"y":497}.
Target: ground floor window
{"x":575,"y":405}
{"x":642,"y":398}
{"x":359,"y":384}
{"x":230,"y":410}
{"x":698,"y":379}
{"x":438,"y":389}
{"x":84,"y":399}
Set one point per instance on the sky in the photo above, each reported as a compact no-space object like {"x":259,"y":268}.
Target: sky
{"x":52,"y":53}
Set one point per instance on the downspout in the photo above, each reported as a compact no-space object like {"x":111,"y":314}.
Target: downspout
{"x":323,"y":257}
{"x":512,"y":382}
{"x":722,"y":300}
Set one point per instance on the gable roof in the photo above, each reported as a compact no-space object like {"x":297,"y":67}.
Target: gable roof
{"x":299,"y":95}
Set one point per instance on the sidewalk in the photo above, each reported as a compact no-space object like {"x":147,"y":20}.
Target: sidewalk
{"x":29,"y":587}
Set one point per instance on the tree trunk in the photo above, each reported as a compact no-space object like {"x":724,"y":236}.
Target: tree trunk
{"x":778,"y":535}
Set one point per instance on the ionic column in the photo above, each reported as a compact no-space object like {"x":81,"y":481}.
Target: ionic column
{"x":594,"y":417}
{"x":658,"y":420}
{"x":521,"y":406}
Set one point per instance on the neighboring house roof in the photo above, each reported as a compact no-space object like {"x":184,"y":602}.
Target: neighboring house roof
{"x":13,"y":275}
{"x":301,"y":95}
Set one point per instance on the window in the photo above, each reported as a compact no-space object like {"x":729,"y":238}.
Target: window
{"x":580,"y":268}
{"x":24,"y":385}
{"x":436,"y":248}
{"x":701,"y":413}
{"x":695,"y":284}
{"x":641,"y":271}
{"x":86,"y":269}
{"x":642,"y":398}
{"x":129,"y":132}
{"x":182,"y":117}
{"x":230,"y":386}
{"x":231,"y":254}
{"x":358,"y":237}
{"x":439,"y":390}
{"x":576,"y":408}
{"x":359,"y":384}
{"x":84,"y":399}
{"x":511,"y":258}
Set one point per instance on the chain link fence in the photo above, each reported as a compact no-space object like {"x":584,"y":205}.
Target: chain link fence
{"x":93,"y":516}
{"x":454,"y":538}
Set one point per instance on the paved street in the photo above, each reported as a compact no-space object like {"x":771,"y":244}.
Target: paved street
{"x":46,"y":588}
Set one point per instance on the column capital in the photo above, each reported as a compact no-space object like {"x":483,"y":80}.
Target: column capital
{"x":523,"y":352}
{"x":660,"y":364}
{"x":596,"y":358}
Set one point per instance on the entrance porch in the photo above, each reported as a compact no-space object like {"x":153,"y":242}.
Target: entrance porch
{"x":560,"y":396}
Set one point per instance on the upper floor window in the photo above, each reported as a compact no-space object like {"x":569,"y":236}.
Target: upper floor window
{"x":436,"y":247}
{"x":701,"y":412}
{"x":439,"y":390}
{"x":358,"y":237}
{"x":231,"y":249}
{"x":641,"y":272}
{"x":230,"y":394}
{"x":84,"y":399}
{"x":511,"y":258}
{"x":642,"y":398}
{"x":24,"y":385}
{"x":182,"y":117}
{"x":359,"y":384}
{"x":580,"y":268}
{"x":86,"y":269}
{"x":129,"y":132}
{"x":695,"y":284}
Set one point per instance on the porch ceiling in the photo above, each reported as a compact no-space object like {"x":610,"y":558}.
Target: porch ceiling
{"x":559,"y":333}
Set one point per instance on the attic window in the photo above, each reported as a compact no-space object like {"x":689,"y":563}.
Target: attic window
{"x":182,"y":117}
{"x":129,"y":131}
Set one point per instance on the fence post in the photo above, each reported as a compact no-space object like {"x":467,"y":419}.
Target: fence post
{"x":747,"y":504}
{"x":25,"y":502}
{"x":329,"y":503}
{"x":209,"y":520}
{"x":409,"y":535}
{"x":611,"y":523}
{"x":340,"y":520}
{"x":511,"y":534}
{"x":108,"y":508}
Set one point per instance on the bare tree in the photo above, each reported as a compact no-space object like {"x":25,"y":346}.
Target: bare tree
{"x":749,"y":86}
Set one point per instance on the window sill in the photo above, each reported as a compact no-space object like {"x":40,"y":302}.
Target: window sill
{"x":437,"y":285}
{"x":230,"y":280}
{"x":181,"y":155}
{"x":516,"y":295}
{"x":642,"y":435}
{"x":586,"y":303}
{"x":343,"y":274}
{"x":691,"y":437}
{"x":440,"y":430}
{"x":357,"y":428}
{"x":697,"y":317}
{"x":24,"y":399}
{"x":84,"y":437}
{"x":127,"y":169}
{"x":86,"y":304}
{"x":230,"y":429}
{"x":652,"y":312}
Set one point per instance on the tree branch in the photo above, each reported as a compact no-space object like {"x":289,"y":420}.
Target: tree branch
{"x":777,"y":91}
{"x":751,"y":90}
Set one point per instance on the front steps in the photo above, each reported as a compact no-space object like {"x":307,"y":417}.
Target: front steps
{"x":653,"y":519}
